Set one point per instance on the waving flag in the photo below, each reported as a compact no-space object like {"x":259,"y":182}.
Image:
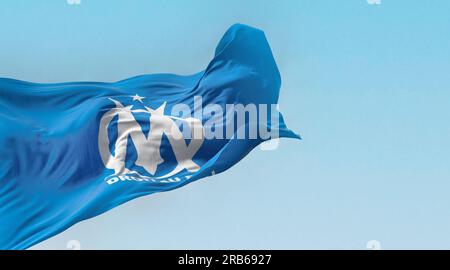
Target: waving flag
{"x":71,"y":151}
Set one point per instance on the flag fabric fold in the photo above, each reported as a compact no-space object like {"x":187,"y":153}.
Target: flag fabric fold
{"x":71,"y":151}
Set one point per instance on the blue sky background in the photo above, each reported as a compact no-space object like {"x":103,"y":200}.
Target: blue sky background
{"x":367,"y":86}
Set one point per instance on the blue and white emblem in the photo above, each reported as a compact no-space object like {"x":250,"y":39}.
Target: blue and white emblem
{"x":148,"y":147}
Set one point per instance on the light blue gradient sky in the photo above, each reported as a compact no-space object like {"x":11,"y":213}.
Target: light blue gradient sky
{"x":367,"y":86}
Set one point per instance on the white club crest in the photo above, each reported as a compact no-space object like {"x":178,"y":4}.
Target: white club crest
{"x":148,"y":147}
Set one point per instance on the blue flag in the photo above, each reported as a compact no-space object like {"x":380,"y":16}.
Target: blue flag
{"x":71,"y":151}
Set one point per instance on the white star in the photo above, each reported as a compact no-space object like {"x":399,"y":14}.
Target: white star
{"x":138,"y":98}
